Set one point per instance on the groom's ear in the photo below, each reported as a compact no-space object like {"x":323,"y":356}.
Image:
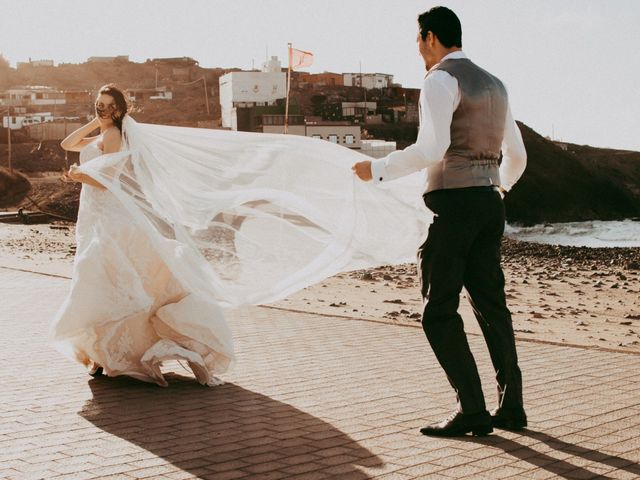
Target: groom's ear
{"x":429,"y":37}
{"x":432,"y":40}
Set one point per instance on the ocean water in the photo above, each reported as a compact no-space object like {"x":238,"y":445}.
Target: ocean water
{"x":624,"y":233}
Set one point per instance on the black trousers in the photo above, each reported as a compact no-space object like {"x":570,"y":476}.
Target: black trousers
{"x":463,"y":250}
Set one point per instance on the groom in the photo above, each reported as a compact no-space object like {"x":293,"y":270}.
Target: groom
{"x":465,"y":128}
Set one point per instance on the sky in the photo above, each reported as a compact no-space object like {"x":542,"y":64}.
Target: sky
{"x":572,"y":67}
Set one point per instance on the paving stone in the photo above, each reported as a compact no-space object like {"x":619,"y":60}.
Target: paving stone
{"x":311,"y":398}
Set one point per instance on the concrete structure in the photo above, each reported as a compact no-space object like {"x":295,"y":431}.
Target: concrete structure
{"x":175,"y":61}
{"x":368,"y":80}
{"x":341,"y":133}
{"x":406,"y":114}
{"x":56,"y":130}
{"x":119,"y":58}
{"x":182,"y":68}
{"x":321,"y":79}
{"x":250,"y":89}
{"x":358,"y":109}
{"x":16,"y":122}
{"x":145,"y":94}
{"x":377,"y":148}
{"x":412,"y":113}
{"x":272,"y":65}
{"x":35,"y":63}
{"x":32,"y":96}
{"x":374,"y":119}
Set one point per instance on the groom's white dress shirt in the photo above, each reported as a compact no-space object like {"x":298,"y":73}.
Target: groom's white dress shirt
{"x":439,"y":98}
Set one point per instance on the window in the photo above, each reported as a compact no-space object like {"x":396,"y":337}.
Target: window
{"x":315,"y":135}
{"x":333,"y":138}
{"x":349,"y":139}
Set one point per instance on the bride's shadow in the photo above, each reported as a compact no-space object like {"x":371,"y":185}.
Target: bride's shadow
{"x":561,"y":468}
{"x":207,"y":431}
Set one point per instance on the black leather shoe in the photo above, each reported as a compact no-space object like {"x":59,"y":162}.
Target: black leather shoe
{"x":509,"y":418}
{"x":459,"y":424}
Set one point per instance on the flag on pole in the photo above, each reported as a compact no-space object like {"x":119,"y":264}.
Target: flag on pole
{"x":297,"y":59}
{"x":300,"y":58}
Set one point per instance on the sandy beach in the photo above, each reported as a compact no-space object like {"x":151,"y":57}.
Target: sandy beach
{"x":566,"y":295}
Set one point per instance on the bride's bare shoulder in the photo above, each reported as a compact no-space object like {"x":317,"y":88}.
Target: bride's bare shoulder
{"x":111,"y":140}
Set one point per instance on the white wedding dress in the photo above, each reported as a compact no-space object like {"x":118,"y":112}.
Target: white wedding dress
{"x":126,"y":312}
{"x":195,"y":221}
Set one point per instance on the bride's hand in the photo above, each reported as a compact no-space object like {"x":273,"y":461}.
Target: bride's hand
{"x":363,"y":170}
{"x":71,"y":175}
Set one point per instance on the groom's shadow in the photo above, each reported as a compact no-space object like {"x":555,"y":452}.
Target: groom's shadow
{"x":561,"y":468}
{"x":207,"y":431}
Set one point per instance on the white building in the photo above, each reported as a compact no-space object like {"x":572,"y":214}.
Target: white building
{"x":377,"y":148}
{"x":368,"y":80}
{"x":35,"y":63}
{"x":335,"y":132}
{"x":32,"y":96}
{"x":143,"y":94}
{"x":18,"y":121}
{"x":119,"y":58}
{"x":352,"y":109}
{"x":250,"y":89}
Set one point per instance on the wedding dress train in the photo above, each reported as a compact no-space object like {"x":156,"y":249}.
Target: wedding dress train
{"x":195,"y":221}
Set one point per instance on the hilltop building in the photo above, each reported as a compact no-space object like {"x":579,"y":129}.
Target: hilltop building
{"x":368,"y":80}
{"x":35,"y":63}
{"x":240,"y":90}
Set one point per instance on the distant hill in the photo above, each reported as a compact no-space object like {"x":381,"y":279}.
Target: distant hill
{"x":582,"y":183}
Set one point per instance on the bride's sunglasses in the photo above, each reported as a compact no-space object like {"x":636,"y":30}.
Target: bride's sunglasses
{"x":105,"y":109}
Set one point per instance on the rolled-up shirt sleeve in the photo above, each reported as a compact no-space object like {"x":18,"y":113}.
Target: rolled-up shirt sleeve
{"x":438,"y":101}
{"x":514,"y":155}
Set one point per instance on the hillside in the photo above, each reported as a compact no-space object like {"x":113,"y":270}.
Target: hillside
{"x":188,"y":105}
{"x":582,"y":183}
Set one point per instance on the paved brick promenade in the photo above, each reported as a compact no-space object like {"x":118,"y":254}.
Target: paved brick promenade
{"x":311,"y":397}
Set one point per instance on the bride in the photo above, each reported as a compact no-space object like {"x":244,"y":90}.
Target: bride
{"x":177,"y":225}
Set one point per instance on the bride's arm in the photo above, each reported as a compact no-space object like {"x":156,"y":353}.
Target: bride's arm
{"x":111,"y":140}
{"x":76,"y":176}
{"x":77,"y":140}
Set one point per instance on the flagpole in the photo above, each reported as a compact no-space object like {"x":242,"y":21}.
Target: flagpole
{"x":286,"y":107}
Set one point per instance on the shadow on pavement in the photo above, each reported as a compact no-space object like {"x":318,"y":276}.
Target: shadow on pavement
{"x":206,"y":431}
{"x":561,"y":468}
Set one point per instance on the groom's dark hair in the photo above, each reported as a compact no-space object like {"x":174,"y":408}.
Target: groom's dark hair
{"x":444,"y":24}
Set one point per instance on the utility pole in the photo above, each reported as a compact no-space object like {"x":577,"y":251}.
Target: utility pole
{"x":362,"y":85}
{"x":286,"y":105}
{"x":66,"y":153}
{"x":206,"y":94}
{"x":9,"y":141}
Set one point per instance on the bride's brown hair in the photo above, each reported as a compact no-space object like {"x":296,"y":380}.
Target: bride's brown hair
{"x":121,"y":101}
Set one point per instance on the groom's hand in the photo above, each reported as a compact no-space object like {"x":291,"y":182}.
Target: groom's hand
{"x":363,"y":170}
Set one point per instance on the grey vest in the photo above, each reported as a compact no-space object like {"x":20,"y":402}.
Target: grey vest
{"x":477,"y":130}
